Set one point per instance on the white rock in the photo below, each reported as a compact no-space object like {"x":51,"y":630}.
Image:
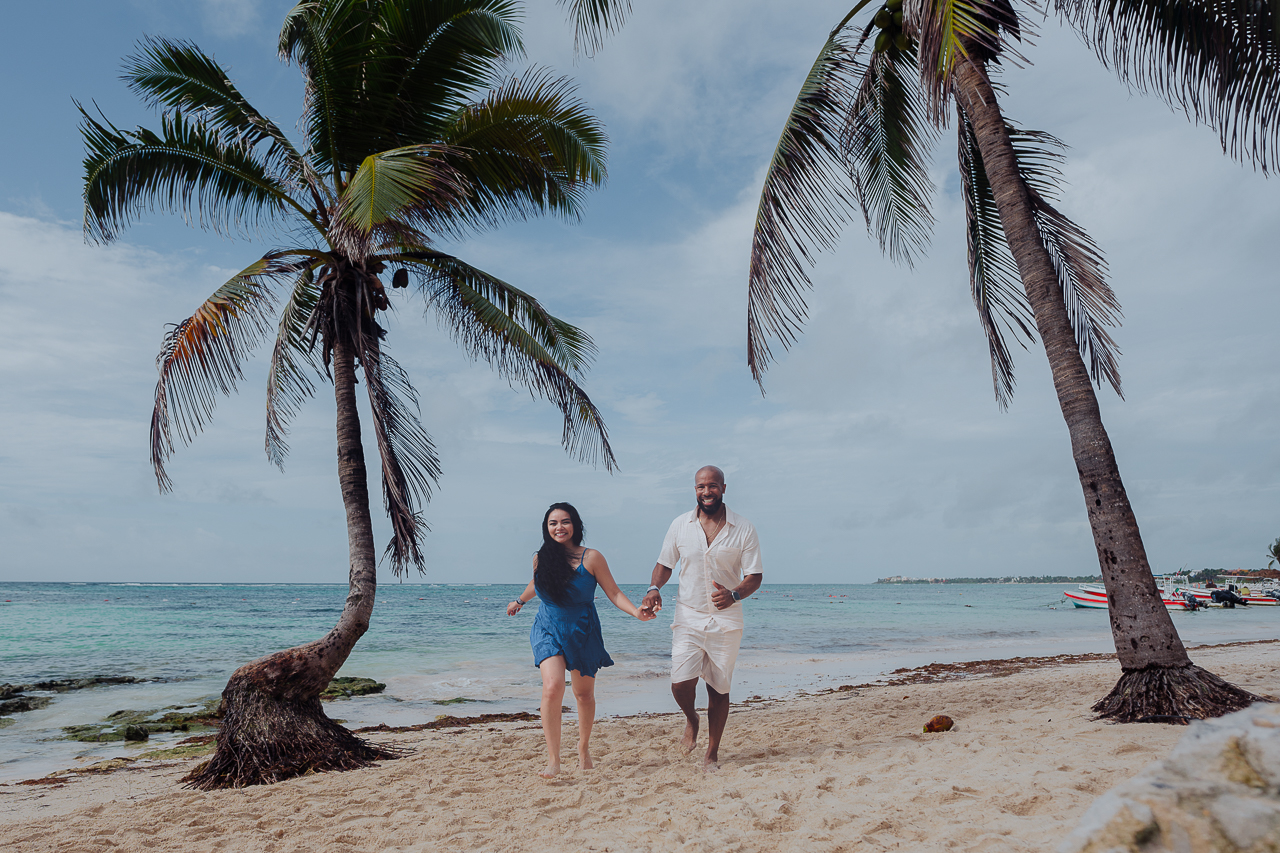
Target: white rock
{"x":1217,"y":792}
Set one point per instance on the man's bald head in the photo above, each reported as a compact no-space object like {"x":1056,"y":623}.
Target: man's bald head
{"x":711,"y":470}
{"x":708,"y":487}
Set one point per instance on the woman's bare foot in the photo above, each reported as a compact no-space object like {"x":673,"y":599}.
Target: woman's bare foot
{"x":690,"y":739}
{"x":584,"y":759}
{"x":550,"y":772}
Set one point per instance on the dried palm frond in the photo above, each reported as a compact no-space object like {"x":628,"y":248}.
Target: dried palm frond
{"x":204,"y":354}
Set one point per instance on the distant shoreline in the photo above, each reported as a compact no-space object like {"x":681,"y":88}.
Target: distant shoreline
{"x":1020,"y":579}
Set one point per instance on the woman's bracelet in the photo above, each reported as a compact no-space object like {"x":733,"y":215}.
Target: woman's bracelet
{"x":521,"y":603}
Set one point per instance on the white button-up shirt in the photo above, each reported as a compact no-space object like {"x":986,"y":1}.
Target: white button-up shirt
{"x":733,"y":554}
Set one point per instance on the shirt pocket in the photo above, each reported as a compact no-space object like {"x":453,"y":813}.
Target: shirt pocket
{"x":728,"y":559}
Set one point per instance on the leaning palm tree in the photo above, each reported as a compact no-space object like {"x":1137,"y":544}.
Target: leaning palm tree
{"x":413,"y":131}
{"x":857,"y":141}
{"x":874,"y":102}
{"x":1273,"y":553}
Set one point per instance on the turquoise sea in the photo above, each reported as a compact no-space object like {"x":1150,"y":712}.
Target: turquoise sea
{"x":431,"y":643}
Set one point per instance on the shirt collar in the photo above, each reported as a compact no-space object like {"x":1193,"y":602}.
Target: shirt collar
{"x":730,"y":517}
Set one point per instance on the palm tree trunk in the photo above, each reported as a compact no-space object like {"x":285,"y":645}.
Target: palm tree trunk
{"x":1159,"y":680}
{"x":273,"y":725}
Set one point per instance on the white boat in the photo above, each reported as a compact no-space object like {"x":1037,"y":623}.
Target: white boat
{"x":1176,"y":589}
{"x":1080,"y":598}
{"x":1094,"y":596}
{"x":1249,"y":595}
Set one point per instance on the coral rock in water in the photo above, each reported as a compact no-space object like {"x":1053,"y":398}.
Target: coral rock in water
{"x":940,"y":723}
{"x":1217,"y":792}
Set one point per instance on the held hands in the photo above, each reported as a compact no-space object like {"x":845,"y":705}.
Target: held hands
{"x":645,"y":615}
{"x":651,"y":604}
{"x":722,"y":598}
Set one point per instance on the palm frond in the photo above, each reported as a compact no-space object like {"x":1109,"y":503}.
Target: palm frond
{"x":186,"y":168}
{"x":993,"y":276}
{"x":203,"y":355}
{"x":177,"y":75}
{"x":293,"y":361}
{"x":517,"y":336}
{"x":1217,"y":60}
{"x":410,"y":465}
{"x":887,"y":141}
{"x":594,"y":19}
{"x":803,"y":203}
{"x":413,"y":186}
{"x":445,"y":54}
{"x":1092,"y":306}
{"x":531,"y":147}
{"x":338,"y":47}
{"x":949,"y":31}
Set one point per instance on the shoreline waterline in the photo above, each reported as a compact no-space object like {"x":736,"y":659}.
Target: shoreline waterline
{"x":432,"y":644}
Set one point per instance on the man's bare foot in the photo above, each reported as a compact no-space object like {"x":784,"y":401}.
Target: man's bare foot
{"x":550,"y":772}
{"x":690,"y":739}
{"x":710,"y":763}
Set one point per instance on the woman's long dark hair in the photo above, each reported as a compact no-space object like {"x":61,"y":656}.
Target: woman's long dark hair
{"x":554,"y":574}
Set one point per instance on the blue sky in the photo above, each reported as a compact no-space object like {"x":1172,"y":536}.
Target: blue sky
{"x":878,"y":450}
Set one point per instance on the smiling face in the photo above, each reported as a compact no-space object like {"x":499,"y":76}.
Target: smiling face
{"x":560,"y":527}
{"x":708,"y":486}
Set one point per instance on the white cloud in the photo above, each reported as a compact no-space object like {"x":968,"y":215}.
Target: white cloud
{"x":232,"y":17}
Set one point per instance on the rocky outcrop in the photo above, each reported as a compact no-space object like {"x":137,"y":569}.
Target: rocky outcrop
{"x":1217,"y":792}
{"x":345,"y":687}
{"x":13,"y":698}
{"x":139,"y":725}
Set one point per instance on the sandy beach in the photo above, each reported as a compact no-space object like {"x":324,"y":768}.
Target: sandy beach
{"x":848,"y":769}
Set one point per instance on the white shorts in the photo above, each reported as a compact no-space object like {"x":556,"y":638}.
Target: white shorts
{"x":709,"y":655}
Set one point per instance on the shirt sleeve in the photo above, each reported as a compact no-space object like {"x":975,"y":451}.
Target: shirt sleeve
{"x":670,"y":554}
{"x":751,"y":564}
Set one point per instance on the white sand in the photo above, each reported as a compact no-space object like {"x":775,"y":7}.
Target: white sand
{"x":842,"y":771}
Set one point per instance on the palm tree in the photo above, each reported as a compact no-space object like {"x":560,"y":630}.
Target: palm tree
{"x":873,"y":104}
{"x":413,"y":131}
{"x":1273,"y":553}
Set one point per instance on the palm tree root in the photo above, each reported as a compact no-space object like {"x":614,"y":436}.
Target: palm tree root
{"x":1177,"y":695}
{"x":266,"y":737}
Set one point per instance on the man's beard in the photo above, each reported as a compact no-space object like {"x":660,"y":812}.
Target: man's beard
{"x":713,"y":510}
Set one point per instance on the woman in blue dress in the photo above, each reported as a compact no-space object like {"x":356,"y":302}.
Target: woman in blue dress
{"x":566,"y":631}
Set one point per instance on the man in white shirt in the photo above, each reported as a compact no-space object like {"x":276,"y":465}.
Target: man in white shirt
{"x":719,"y":557}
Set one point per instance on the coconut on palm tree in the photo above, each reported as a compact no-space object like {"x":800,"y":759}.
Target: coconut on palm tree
{"x":413,"y":131}
{"x":884,"y":84}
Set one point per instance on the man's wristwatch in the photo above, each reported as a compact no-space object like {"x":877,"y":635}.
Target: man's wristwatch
{"x":653,"y":589}
{"x":735,"y":595}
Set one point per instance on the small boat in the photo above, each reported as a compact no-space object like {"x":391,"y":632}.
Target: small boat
{"x":1094,"y":596}
{"x":1213,"y":597}
{"x":1084,"y":599}
{"x":1231,"y":590}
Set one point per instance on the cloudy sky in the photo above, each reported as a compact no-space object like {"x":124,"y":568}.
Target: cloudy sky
{"x":878,"y":450}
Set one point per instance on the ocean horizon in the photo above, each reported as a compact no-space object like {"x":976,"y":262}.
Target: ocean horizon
{"x":452,"y":643}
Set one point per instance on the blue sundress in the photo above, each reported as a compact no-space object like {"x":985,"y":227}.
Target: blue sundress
{"x":571,"y":628}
